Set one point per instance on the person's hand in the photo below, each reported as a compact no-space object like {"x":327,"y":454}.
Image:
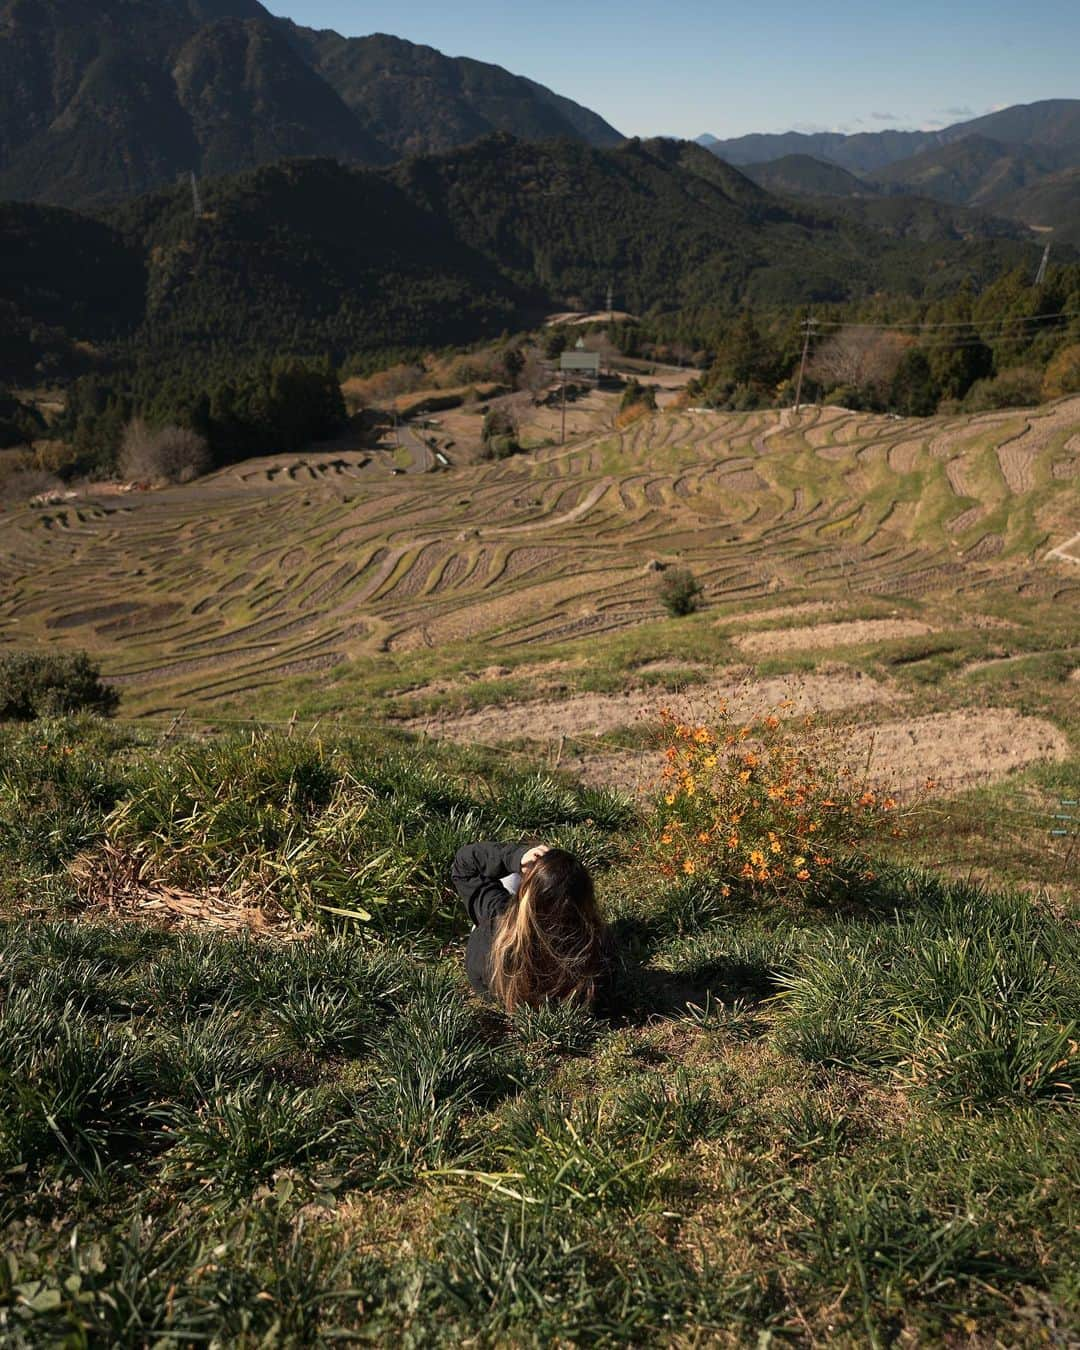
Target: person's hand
{"x":537,"y":851}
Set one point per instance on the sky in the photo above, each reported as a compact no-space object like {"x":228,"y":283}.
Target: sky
{"x":683,"y":67}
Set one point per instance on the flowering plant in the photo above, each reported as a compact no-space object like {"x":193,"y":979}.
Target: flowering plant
{"x":766,"y":802}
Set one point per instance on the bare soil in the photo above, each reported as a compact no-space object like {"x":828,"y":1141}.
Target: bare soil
{"x":954,"y":750}
{"x":585,"y":715}
{"x":822,"y":636}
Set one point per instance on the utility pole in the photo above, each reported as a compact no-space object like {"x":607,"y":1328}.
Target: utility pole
{"x":1040,"y":275}
{"x":196,"y":199}
{"x":808,"y":328}
{"x":563,"y":440}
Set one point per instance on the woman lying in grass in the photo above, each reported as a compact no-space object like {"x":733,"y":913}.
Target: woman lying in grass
{"x":538,"y":935}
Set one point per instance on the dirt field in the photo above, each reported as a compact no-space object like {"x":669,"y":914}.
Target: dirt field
{"x":826,"y":636}
{"x":952,"y":750}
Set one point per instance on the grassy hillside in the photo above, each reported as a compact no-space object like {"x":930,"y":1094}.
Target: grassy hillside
{"x":843,"y":1119}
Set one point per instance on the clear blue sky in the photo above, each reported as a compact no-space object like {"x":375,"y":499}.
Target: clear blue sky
{"x":681,"y":67}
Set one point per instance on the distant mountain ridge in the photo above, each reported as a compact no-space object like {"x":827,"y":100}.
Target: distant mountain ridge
{"x":1020,"y":163}
{"x":1051,"y":122}
{"x":105,"y":101}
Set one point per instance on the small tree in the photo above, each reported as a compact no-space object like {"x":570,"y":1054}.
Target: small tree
{"x":1063,"y":373}
{"x":165,"y":455}
{"x":52,"y":685}
{"x":680,"y":591}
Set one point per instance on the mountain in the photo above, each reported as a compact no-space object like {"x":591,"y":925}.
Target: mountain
{"x":974,"y":171}
{"x":1051,"y":206}
{"x":311,"y":256}
{"x":804,"y":176}
{"x":104,"y":101}
{"x":416,"y":100}
{"x":1053,"y":123}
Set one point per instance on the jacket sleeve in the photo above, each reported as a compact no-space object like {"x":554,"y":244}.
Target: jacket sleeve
{"x":476,"y":871}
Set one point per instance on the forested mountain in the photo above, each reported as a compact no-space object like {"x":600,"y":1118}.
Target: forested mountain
{"x":1050,"y":204}
{"x":1053,"y":123}
{"x":414,"y":99}
{"x":804,"y":176}
{"x":1019,"y":163}
{"x":103,"y":100}
{"x":975,"y":171}
{"x":311,"y":256}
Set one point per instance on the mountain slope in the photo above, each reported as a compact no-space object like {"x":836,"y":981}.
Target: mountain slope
{"x":310,"y":256}
{"x":103,"y":101}
{"x":974,"y":171}
{"x":1052,"y":204}
{"x":1051,"y":122}
{"x":804,"y":176}
{"x":416,"y":100}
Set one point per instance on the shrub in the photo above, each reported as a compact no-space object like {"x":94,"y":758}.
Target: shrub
{"x":1063,"y":373}
{"x":500,"y":432}
{"x":163,"y":455}
{"x":766,"y":803}
{"x":637,"y":393}
{"x":19,"y":483}
{"x":1020,"y":387}
{"x":52,"y":685}
{"x":680,"y":591}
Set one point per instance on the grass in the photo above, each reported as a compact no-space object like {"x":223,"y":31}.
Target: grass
{"x":848,"y":1122}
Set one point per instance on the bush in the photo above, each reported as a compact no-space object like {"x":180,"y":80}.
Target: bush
{"x":1020,"y":387}
{"x":680,"y":591}
{"x":500,"y":433}
{"x":52,"y":686}
{"x":765,"y":803}
{"x":21,"y":483}
{"x":1063,"y":373}
{"x":637,"y":393}
{"x":165,"y":455}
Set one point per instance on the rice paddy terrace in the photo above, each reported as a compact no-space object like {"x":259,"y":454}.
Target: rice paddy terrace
{"x":281,"y":567}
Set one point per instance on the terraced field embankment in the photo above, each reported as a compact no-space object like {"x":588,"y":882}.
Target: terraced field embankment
{"x":292,"y":566}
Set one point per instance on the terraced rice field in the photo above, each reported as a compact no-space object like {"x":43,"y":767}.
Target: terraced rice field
{"x":295,"y":565}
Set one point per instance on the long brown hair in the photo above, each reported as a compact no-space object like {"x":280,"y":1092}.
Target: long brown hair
{"x":549,"y":942}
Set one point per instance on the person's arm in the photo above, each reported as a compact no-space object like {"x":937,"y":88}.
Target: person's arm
{"x":476,"y":874}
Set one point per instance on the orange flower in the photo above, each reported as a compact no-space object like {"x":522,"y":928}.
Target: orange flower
{"x":744,"y":776}
{"x":670,"y":799}
{"x":750,"y":760}
{"x":709,"y":762}
{"x":775,"y":846}
{"x":703,"y":837}
{"x":703,"y":735}
{"x":803,"y":875}
{"x":725,"y":891}
{"x":665,"y":838}
{"x":688,"y":867}
{"x":747,"y":871}
{"x":757,"y":857}
{"x":889,"y":804}
{"x":772,"y":721}
{"x":733,"y":841}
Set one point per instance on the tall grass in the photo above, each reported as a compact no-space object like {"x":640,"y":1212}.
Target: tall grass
{"x":799,"y":1123}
